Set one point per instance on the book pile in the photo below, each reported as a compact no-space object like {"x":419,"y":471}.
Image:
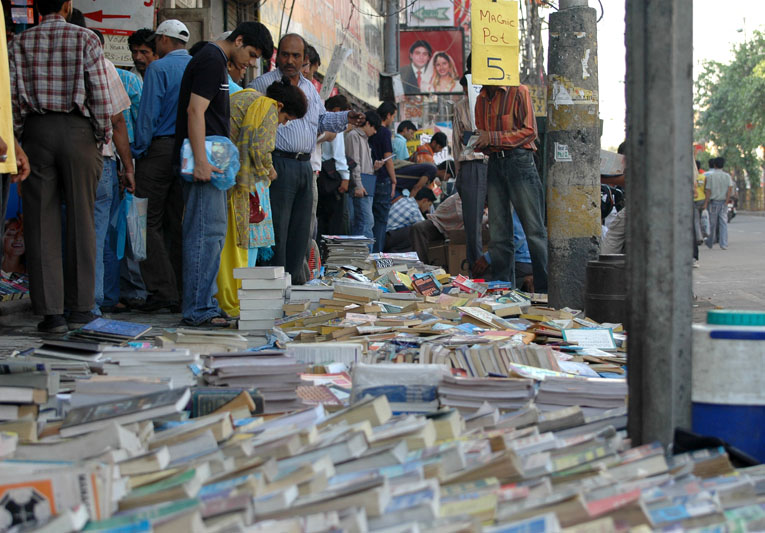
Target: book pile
{"x":13,"y":287}
{"x":202,"y":342}
{"x":593,"y":395}
{"x":345,"y":250}
{"x":146,"y":464}
{"x":469,"y":394}
{"x":262,"y":296}
{"x":22,"y":395}
{"x":275,"y":375}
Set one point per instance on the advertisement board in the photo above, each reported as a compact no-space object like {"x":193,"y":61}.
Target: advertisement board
{"x":431,"y":60}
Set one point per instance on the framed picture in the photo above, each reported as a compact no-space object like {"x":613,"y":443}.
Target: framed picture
{"x":432,"y":60}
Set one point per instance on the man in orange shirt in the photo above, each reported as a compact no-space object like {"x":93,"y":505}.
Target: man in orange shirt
{"x":507,"y":129}
{"x":425,"y":153}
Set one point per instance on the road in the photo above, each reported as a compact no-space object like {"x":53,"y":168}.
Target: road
{"x":734,"y":278}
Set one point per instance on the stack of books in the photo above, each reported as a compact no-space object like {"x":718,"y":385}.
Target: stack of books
{"x":469,"y":394}
{"x":593,"y":395}
{"x":275,"y":375}
{"x":14,"y":287}
{"x":346,"y":250}
{"x":22,"y":394}
{"x":136,"y":465}
{"x":262,"y":296}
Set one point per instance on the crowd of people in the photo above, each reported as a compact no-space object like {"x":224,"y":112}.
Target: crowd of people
{"x":92,"y":132}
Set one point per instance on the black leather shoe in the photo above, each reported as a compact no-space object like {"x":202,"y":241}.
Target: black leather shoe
{"x":77,"y":319}
{"x":53,"y":324}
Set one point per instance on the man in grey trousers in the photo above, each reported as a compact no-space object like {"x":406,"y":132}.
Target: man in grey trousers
{"x":471,"y":179}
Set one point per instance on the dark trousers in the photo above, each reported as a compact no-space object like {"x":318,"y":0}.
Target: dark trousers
{"x":155,"y":180}
{"x":422,"y":234}
{"x":398,"y":240}
{"x":514,"y":184}
{"x":291,"y":202}
{"x":66,"y":165}
{"x":380,"y":209}
{"x":472,"y":187}
{"x":330,"y":215}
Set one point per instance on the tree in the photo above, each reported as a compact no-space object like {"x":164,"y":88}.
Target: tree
{"x":730,"y":105}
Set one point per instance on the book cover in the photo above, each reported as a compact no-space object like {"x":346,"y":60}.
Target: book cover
{"x":127,"y":406}
{"x":118,"y":328}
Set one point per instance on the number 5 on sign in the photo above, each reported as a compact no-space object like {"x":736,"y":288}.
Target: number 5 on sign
{"x":494,"y":33}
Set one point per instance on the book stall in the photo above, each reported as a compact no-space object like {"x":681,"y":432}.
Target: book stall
{"x":386,"y":396}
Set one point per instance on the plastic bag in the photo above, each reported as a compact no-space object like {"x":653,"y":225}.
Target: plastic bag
{"x":136,"y":226}
{"x":705,"y":223}
{"x":221,"y":153}
{"x":130,"y":220}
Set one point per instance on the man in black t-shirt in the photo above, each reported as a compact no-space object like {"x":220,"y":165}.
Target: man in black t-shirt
{"x":203,"y":110}
{"x":382,"y":154}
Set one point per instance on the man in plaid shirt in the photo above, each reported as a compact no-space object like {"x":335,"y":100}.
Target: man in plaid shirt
{"x":62,"y":115}
{"x":404,"y":213}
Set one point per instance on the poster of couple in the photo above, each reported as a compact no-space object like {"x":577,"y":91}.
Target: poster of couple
{"x":431,"y":60}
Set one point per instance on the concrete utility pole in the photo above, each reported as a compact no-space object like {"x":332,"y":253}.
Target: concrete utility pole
{"x":573,"y":176}
{"x":659,"y":229}
{"x":391,"y":36}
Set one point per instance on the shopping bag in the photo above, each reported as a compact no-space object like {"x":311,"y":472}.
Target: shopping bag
{"x":221,"y":153}
{"x":705,"y":223}
{"x":136,"y":225}
{"x":130,"y":220}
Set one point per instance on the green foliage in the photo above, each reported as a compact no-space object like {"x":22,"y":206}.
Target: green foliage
{"x":730,"y":107}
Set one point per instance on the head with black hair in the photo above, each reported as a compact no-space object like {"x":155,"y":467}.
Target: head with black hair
{"x":196,"y":47}
{"x":77,"y":18}
{"x":247,"y":43}
{"x":446,"y":169}
{"x":311,"y":62}
{"x":720,"y":162}
{"x":420,"y":53}
{"x":142,"y":48}
{"x":622,"y":149}
{"x":337,"y":103}
{"x":698,"y":165}
{"x":372,"y":124}
{"x":61,"y":7}
{"x":425,"y":199}
{"x":406,"y":128}
{"x":290,"y":56}
{"x":438,"y":142}
{"x":387,"y":112}
{"x":290,"y":99}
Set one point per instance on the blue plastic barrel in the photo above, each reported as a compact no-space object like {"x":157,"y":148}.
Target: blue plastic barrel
{"x":729,"y":379}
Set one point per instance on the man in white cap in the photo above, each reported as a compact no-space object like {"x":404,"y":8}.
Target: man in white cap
{"x":155,"y":179}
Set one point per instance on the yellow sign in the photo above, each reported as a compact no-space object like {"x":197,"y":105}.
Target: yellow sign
{"x":494,"y":35}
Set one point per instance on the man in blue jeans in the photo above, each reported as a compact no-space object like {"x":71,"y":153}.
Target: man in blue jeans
{"x":507,"y":129}
{"x":203,"y":110}
{"x":718,"y":189}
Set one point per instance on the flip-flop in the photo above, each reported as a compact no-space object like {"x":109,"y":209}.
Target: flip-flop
{"x":212,"y":322}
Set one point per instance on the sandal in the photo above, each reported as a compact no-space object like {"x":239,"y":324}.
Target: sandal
{"x":212,"y":322}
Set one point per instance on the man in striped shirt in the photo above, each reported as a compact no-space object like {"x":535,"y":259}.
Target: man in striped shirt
{"x":507,"y":129}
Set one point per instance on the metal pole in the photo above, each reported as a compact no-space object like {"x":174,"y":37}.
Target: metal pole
{"x":659,"y":175}
{"x":573,"y":159}
{"x":391,"y":36}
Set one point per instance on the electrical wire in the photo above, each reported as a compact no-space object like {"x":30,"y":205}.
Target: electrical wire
{"x":602,"y":12}
{"x":545,"y":2}
{"x":407,"y":6}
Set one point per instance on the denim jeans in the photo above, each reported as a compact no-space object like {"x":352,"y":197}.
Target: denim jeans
{"x":380,"y":209}
{"x":107,"y":264}
{"x":514,"y":183}
{"x":363,"y":220}
{"x":718,"y":221}
{"x":204,"y":233}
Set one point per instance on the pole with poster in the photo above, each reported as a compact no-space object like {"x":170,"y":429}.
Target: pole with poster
{"x":339,"y":55}
{"x":495,"y":48}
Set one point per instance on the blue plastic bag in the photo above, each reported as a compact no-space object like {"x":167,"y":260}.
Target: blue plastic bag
{"x":221,"y":153}
{"x":130,"y":220}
